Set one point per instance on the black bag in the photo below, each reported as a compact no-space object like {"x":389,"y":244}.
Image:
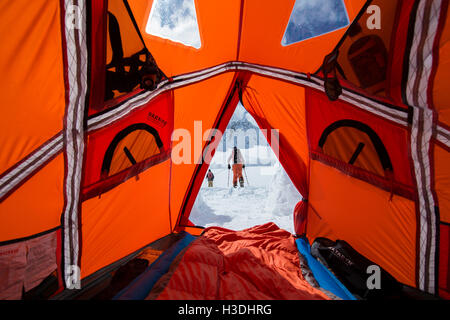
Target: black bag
{"x":123,"y":277}
{"x":351,"y":268}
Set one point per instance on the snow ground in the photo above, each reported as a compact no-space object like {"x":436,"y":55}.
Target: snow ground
{"x":269,"y":196}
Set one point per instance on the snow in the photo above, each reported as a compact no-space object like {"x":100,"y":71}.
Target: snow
{"x":267,"y":196}
{"x":283,"y":196}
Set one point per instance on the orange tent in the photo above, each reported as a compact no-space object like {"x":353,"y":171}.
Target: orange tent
{"x":91,"y":100}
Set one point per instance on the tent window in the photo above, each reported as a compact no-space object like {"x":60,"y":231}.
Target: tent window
{"x":175,"y":20}
{"x":310,"y":19}
{"x":129,"y":64}
{"x":357,"y":144}
{"x":131,"y":146}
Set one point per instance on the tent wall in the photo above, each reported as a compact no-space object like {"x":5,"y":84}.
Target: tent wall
{"x":124,"y":211}
{"x":125,"y":219}
{"x":374,"y":211}
{"x":36,"y":206}
{"x":342,"y":207}
{"x":31,"y":164}
{"x":32,"y":87}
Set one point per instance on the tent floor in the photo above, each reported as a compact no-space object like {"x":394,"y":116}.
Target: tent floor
{"x":95,"y":286}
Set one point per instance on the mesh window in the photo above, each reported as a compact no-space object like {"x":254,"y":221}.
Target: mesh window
{"x":131,"y":146}
{"x":357,"y":144}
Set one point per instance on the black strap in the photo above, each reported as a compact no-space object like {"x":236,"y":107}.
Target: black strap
{"x":356,"y":153}
{"x":130,"y":13}
{"x":129,"y":155}
{"x":115,"y":39}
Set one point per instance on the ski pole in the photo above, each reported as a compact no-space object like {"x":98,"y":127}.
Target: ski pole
{"x":246,"y":178}
{"x":228,"y":180}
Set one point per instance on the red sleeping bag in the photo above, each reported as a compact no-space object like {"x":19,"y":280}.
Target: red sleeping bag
{"x":257,"y":263}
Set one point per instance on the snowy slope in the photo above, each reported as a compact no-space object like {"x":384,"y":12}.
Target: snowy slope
{"x":270,"y":197}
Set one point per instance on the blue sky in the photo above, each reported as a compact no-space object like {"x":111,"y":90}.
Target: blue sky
{"x":311,"y":18}
{"x":175,"y":20}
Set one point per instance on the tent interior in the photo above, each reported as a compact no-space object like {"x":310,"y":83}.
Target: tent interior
{"x":102,"y":157}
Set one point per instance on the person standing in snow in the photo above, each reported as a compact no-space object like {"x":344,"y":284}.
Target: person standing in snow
{"x":210,"y":178}
{"x":238,"y":163}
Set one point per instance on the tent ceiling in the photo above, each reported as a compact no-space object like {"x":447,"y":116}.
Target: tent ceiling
{"x":238,"y":30}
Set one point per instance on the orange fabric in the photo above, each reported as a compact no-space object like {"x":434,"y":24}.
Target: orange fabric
{"x":442,"y":181}
{"x":36,"y":206}
{"x":238,"y":265}
{"x":31,"y":84}
{"x":342,"y":207}
{"x":280,"y":106}
{"x":237,"y":173}
{"x":125,"y":218}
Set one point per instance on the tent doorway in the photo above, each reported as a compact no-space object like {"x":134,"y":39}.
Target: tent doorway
{"x":267,"y":195}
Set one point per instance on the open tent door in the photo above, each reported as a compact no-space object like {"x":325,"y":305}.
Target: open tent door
{"x":267,"y":193}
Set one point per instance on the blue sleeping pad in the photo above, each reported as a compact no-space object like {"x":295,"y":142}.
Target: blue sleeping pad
{"x":140,"y":287}
{"x":324,"y":277}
